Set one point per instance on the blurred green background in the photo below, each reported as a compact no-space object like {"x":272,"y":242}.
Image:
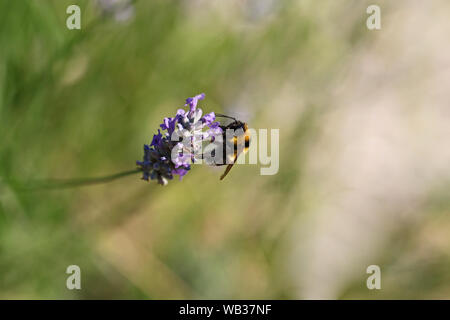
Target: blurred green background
{"x":364,"y":162}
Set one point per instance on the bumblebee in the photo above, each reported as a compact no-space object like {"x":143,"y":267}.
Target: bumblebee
{"x":232,"y":146}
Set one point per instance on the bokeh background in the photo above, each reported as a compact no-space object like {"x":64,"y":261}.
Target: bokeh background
{"x":364,"y":154}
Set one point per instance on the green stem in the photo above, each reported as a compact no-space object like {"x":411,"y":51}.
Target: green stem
{"x":78,"y":182}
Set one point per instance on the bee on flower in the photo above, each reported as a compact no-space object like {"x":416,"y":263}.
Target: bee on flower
{"x":172,"y":151}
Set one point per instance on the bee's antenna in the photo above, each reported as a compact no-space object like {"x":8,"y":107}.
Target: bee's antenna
{"x":224,"y":116}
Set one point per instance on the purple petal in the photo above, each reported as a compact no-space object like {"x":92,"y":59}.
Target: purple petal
{"x":209,"y":118}
{"x":192,"y":102}
{"x":157,"y":139}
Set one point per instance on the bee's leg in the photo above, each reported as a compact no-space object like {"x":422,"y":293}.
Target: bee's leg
{"x":226,"y":171}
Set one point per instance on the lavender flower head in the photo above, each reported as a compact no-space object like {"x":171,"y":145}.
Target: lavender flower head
{"x":172,"y":151}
